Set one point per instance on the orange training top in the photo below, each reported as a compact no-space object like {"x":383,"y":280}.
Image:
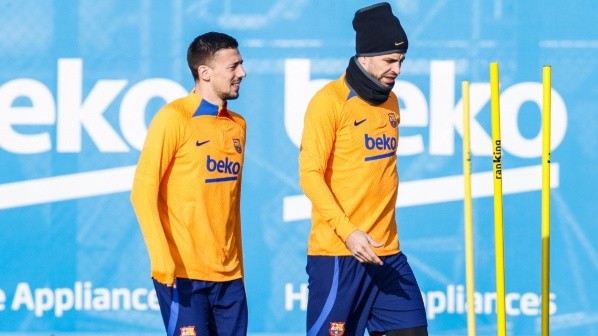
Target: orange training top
{"x":348,"y":169}
{"x":187,"y":190}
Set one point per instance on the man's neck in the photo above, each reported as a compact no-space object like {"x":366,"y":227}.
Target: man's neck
{"x":208,"y":95}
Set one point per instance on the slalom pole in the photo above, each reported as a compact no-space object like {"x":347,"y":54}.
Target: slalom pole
{"x":546,"y":107}
{"x":498,"y":205}
{"x":468,"y":213}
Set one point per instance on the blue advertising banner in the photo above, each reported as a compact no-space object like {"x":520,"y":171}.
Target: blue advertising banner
{"x":81,"y":80}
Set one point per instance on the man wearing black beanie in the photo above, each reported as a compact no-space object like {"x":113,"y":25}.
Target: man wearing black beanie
{"x":358,"y":276}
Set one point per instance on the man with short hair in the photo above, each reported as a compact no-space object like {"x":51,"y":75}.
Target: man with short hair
{"x":358,"y":276}
{"x":186,"y":196}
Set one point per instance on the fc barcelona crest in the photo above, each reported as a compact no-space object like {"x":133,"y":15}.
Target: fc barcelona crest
{"x":392,"y":119}
{"x":237,"y":143}
{"x":188,"y":331}
{"x":337,"y":328}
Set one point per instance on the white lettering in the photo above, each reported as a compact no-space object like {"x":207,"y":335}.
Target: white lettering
{"x":78,"y":295}
{"x":479,"y":95}
{"x":136,"y":299}
{"x":152,"y":301}
{"x":453,"y":301}
{"x":298,"y":90}
{"x":450,"y":301}
{"x":511,"y":101}
{"x":134,"y":103}
{"x":87,"y":295}
{"x":530,"y":304}
{"x":478,"y":304}
{"x":44,"y":301}
{"x":460,"y":300}
{"x":27,"y":102}
{"x":74,"y":113}
{"x":290,"y":296}
{"x":436,"y":303}
{"x":121,"y":295}
{"x":442,"y":100}
{"x":510,"y":298}
{"x":414,"y":113}
{"x":23,"y":296}
{"x":489,"y":302}
{"x":81,"y":297}
{"x":65,"y":300}
{"x":445,"y":117}
{"x":40,"y":111}
{"x":101,"y":299}
{"x":2,"y":300}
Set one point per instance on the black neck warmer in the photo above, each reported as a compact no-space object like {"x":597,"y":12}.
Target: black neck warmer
{"x":366,"y":87}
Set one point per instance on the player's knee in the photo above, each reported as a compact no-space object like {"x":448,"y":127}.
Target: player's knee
{"x":418,"y":331}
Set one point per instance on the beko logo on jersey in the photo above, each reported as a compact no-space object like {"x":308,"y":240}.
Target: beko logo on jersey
{"x":225,"y":166}
{"x":380,"y":143}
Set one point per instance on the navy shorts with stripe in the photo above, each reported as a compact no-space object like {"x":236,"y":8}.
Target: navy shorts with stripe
{"x":348,"y":296}
{"x":195,"y":307}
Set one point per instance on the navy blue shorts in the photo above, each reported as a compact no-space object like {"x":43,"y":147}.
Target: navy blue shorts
{"x":346,"y":296}
{"x":197,"y":307}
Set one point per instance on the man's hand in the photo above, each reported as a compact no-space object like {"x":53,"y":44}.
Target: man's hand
{"x":359,"y":243}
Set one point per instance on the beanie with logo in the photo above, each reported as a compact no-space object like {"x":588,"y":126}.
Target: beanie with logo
{"x":378,"y":31}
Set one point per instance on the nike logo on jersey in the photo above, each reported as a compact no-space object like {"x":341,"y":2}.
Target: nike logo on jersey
{"x":357,"y":123}
{"x":197,"y":143}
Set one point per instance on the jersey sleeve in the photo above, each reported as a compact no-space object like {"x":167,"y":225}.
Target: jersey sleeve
{"x":319,"y":132}
{"x":159,"y":148}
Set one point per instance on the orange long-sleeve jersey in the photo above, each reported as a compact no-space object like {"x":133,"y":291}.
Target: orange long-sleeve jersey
{"x":348,"y":169}
{"x":187,"y":190}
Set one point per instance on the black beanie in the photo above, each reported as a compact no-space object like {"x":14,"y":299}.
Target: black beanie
{"x":378,"y":31}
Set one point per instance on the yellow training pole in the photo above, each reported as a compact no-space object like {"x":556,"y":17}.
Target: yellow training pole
{"x":546,"y":84}
{"x":468,"y":216}
{"x":498,"y":218}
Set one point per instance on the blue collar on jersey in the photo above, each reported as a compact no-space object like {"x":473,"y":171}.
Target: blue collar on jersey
{"x":206,"y":108}
{"x":351,"y":94}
